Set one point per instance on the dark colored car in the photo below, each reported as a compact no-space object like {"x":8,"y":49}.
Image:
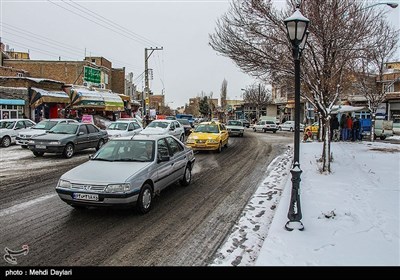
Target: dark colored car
{"x":68,"y":138}
{"x":186,"y":125}
{"x":245,"y":122}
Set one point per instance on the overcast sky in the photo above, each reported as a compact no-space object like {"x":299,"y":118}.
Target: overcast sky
{"x":121,"y":30}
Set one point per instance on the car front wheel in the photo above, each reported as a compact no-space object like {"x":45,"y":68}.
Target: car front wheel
{"x":100,"y":144}
{"x":6,"y":142}
{"x":69,"y":151}
{"x":145,"y":199}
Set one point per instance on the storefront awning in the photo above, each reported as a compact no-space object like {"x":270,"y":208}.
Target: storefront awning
{"x":18,"y":102}
{"x":40,"y":96}
{"x":81,"y":98}
{"x":125,"y":97}
{"x":113,"y":102}
{"x":107,"y":101}
{"x":347,"y":109}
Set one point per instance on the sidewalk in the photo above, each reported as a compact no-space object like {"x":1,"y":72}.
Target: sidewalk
{"x":351,"y":216}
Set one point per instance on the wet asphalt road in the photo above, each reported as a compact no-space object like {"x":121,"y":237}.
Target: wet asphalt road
{"x":184,"y":228}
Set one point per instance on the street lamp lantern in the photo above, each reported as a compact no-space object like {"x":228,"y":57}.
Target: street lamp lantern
{"x":296,"y":26}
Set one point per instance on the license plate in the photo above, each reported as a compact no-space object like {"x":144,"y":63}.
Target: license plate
{"x":86,"y":196}
{"x":40,"y":147}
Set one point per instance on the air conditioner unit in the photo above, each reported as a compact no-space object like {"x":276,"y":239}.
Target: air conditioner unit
{"x":102,"y":85}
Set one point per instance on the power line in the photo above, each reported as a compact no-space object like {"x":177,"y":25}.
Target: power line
{"x":104,"y":19}
{"x":107,"y":27}
{"x":63,"y":45}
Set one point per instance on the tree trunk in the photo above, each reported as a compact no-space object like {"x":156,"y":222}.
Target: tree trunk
{"x":373,"y":127}
{"x":326,"y":151}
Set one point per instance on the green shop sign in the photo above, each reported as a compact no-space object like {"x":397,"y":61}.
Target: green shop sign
{"x":92,"y":75}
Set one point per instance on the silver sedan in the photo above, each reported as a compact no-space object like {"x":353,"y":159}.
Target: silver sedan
{"x":128,"y":171}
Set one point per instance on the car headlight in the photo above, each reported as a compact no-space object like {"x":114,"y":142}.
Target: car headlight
{"x":190,"y":141}
{"x":118,"y":188}
{"x":64,"y":184}
{"x":212,"y":141}
{"x":31,"y":142}
{"x":54,"y":143}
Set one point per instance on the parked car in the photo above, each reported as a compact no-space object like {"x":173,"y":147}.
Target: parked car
{"x":133,"y":170}
{"x":245,"y":122}
{"x":123,"y":128}
{"x":209,"y":136}
{"x":39,"y":129}
{"x":9,"y":129}
{"x":265,"y":126}
{"x":396,"y":126}
{"x":235,"y":127}
{"x":160,"y":127}
{"x":186,"y":126}
{"x":289,"y":125}
{"x":67,"y":138}
{"x":383,"y":128}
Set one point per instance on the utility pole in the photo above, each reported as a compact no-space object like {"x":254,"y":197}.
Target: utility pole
{"x":146,"y":92}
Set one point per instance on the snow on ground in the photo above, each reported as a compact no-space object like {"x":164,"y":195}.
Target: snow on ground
{"x":351,"y":216}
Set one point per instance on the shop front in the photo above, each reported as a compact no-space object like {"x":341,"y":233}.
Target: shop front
{"x":12,"y":108}
{"x":47,"y":104}
{"x":103,"y":103}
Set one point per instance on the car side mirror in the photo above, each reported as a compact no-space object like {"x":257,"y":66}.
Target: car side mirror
{"x":90,"y":157}
{"x":162,"y":158}
{"x":81,"y":133}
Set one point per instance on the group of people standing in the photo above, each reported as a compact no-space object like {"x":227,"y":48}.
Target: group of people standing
{"x":348,"y":129}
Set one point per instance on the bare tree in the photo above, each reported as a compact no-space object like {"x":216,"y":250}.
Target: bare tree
{"x":370,"y":76}
{"x":224,"y":93}
{"x":258,"y":95}
{"x":253,"y":35}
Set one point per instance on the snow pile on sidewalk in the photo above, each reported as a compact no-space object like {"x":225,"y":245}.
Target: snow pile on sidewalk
{"x":351,"y":216}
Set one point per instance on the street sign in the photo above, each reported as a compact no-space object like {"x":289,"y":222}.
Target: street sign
{"x":92,"y":75}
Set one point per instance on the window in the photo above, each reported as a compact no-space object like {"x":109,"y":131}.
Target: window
{"x":162,"y":148}
{"x":83,"y":129}
{"x":174,"y":146}
{"x":91,"y":128}
{"x":20,"y":125}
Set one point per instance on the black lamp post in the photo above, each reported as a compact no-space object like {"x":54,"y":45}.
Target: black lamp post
{"x":296,"y":26}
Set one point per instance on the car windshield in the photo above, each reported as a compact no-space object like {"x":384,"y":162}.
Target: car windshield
{"x":207,"y":128}
{"x":64,"y":128}
{"x":45,"y":125}
{"x":126,"y":150}
{"x":158,"y":124}
{"x":117,"y":126}
{"x":269,"y":122}
{"x":184,"y":121}
{"x":7,"y":124}
{"x":237,"y":123}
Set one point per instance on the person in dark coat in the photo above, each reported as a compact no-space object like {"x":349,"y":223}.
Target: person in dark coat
{"x":334,"y":128}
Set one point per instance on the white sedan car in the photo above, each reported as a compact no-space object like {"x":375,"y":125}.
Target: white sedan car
{"x":165,"y":127}
{"x":123,"y":128}
{"x":289,"y":125}
{"x":128,"y":171}
{"x":235,"y":127}
{"x":9,"y":129}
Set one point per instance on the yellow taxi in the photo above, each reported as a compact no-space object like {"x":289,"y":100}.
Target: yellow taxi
{"x":313,"y":128}
{"x":208,"y":136}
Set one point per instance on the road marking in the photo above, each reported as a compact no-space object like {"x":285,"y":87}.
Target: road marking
{"x":24,"y":205}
